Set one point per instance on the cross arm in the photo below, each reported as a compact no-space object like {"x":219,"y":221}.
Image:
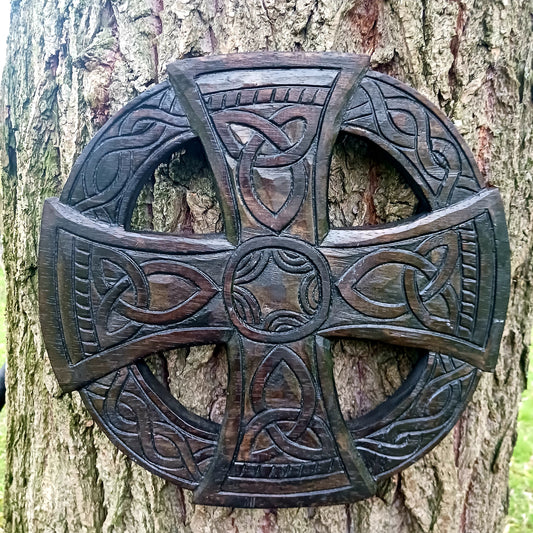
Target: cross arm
{"x":438,"y":281}
{"x":109,"y":297}
{"x":284,"y":435}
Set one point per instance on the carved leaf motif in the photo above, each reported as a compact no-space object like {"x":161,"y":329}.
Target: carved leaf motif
{"x":282,"y":388}
{"x":292,"y":367}
{"x":286,"y":425}
{"x":287,"y":443}
{"x":389,"y":282}
{"x":269,"y":145}
{"x":127,"y":295}
{"x":381,"y":285}
{"x":185,"y":289}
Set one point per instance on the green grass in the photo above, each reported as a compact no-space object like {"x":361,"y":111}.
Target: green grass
{"x":3,"y":414}
{"x":521,"y":474}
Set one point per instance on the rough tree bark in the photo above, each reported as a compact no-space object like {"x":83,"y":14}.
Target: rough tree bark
{"x":72,"y":63}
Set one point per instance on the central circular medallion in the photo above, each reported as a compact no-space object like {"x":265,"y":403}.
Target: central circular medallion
{"x":277,"y":289}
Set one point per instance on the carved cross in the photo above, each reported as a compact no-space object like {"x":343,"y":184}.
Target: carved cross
{"x":278,"y":284}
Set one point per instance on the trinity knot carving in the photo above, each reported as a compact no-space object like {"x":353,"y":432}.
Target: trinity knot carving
{"x":278,"y":284}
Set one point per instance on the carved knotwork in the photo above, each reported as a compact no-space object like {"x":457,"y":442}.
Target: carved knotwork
{"x":278,"y":284}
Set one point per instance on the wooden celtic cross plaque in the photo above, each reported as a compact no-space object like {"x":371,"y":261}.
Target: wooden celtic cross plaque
{"x":278,"y":284}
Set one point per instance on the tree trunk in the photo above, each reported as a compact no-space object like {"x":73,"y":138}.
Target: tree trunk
{"x":73,"y":63}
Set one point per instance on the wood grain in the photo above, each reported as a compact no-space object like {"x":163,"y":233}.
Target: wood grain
{"x":278,"y":284}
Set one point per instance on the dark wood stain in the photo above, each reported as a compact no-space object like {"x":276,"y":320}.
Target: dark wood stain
{"x":278,"y":284}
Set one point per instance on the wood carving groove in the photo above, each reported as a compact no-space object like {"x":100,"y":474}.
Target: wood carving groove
{"x":150,"y":427}
{"x":278,"y":284}
{"x":417,"y":136}
{"x":393,"y":436}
